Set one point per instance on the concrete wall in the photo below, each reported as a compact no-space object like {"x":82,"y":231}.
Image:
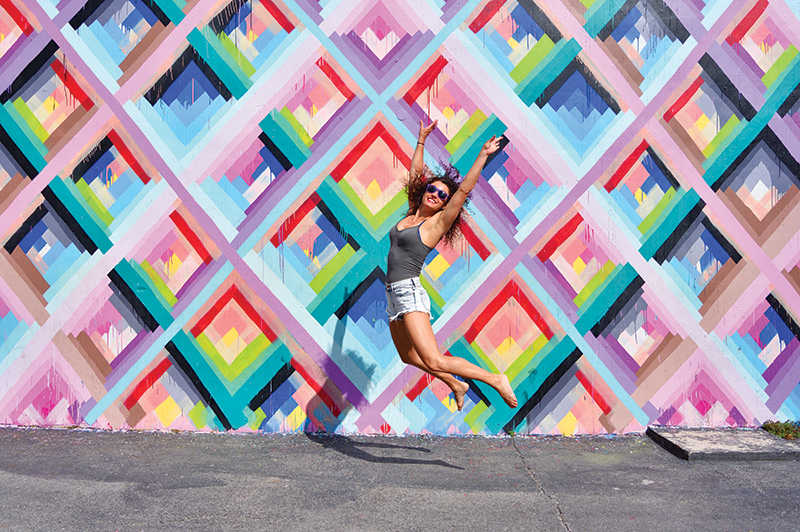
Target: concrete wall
{"x":196,"y":198}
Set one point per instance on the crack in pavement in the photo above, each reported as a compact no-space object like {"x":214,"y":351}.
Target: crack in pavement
{"x":554,"y":500}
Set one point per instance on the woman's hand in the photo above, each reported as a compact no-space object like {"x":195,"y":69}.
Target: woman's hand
{"x":491,"y":146}
{"x":424,"y":131}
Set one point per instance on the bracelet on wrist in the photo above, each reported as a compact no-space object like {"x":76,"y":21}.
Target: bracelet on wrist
{"x":421,"y":143}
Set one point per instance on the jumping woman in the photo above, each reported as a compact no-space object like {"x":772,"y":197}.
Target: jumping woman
{"x":435,"y":206}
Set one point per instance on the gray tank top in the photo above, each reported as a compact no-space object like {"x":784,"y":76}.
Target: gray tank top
{"x":407,"y":254}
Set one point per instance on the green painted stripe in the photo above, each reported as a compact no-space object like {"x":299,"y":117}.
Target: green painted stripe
{"x":159,"y":283}
{"x":466,"y":131}
{"x":337,"y":201}
{"x":355,"y":200}
{"x":598,"y":15}
{"x":779,"y":66}
{"x":530,"y":357}
{"x":723,"y":145}
{"x":466,"y":154}
{"x":279,"y":356}
{"x":542,"y":367}
{"x":547,"y":70}
{"x":599,"y":306}
{"x":305,"y":138}
{"x":487,"y":362}
{"x":776,"y":95}
{"x":654,"y":215}
{"x":285,"y":138}
{"x":594,"y":283}
{"x":672,"y":217}
{"x":238,"y":57}
{"x":94,"y":202}
{"x":30,"y":120}
{"x":436,"y":299}
{"x":171,"y":10}
{"x":334,"y":294}
{"x":30,"y":146}
{"x":598,"y":292}
{"x":150,"y":297}
{"x":326,"y":274}
{"x":721,"y":135}
{"x":534,"y":56}
{"x":246,"y":358}
{"x":391,"y":213}
{"x":474,"y":414}
{"x":68,"y":194}
{"x":210,"y":49}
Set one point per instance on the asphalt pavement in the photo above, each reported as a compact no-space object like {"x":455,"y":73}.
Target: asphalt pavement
{"x":83,"y":480}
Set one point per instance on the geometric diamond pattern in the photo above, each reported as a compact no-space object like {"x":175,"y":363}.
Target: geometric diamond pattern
{"x":195,"y":201}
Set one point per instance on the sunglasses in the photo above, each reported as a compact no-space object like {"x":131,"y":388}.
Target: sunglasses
{"x":441,"y":193}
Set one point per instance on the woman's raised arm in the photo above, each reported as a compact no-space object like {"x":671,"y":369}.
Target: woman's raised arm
{"x":417,"y":162}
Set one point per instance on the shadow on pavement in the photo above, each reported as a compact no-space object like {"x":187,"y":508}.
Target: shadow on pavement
{"x":352,"y":448}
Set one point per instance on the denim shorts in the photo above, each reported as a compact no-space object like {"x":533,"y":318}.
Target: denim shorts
{"x":406,"y":296}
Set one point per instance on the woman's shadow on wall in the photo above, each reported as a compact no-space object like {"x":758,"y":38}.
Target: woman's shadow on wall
{"x":325,"y":435}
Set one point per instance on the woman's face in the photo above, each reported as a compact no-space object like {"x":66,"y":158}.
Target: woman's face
{"x":433,"y":195}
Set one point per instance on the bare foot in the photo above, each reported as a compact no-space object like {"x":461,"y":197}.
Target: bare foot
{"x":505,"y":391}
{"x":460,"y":392}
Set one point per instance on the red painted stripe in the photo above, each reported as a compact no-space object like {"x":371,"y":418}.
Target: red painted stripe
{"x":335,"y":79}
{"x":17,"y":16}
{"x":294,"y":219}
{"x":598,"y":399}
{"x":683,"y":100}
{"x":425,"y":80}
{"x":355,"y":154}
{"x":486,"y":15}
{"x":474,"y":240}
{"x":71,"y":84}
{"x":623,"y":170}
{"x":528,"y":307}
{"x":253,"y":314}
{"x":212,"y":313}
{"x":319,"y":390}
{"x":490,"y":310}
{"x":419,"y":387}
{"x":747,"y":22}
{"x":145,"y":384}
{"x":190,"y":236}
{"x":127,"y":154}
{"x":559,"y":238}
{"x":278,"y":15}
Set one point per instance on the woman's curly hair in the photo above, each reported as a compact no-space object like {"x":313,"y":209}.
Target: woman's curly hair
{"x":415,"y":186}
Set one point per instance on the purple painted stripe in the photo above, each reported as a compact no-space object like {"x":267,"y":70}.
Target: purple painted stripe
{"x":780,"y":389}
{"x":14,"y":65}
{"x":624,"y":357}
{"x":130,"y":355}
{"x":376,"y":65}
{"x":594,"y":173}
{"x":11,"y":53}
{"x":747,"y":80}
{"x":281,"y":186}
{"x":780,"y":127}
{"x":545,"y":278}
{"x":781,"y":360}
{"x":482,"y":201}
{"x":451,"y":9}
{"x":312,"y":9}
{"x":623,"y":375}
{"x":500,"y":207}
{"x":554,"y":272}
{"x":371,"y":415}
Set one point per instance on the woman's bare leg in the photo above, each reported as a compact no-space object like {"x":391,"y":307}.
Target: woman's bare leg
{"x":418,"y":328}
{"x":410,"y":356}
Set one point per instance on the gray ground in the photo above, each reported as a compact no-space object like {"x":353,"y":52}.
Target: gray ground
{"x":87,"y":480}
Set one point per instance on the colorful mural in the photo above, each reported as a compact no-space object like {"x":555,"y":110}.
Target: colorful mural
{"x":195,"y":198}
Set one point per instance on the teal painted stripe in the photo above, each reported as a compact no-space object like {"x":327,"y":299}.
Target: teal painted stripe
{"x":210,"y":49}
{"x":599,"y":290}
{"x":137,"y":280}
{"x":547,"y":70}
{"x":604,"y":300}
{"x":776,"y":95}
{"x":331,"y":299}
{"x":293,"y":148}
{"x":667,"y":222}
{"x":337,"y":202}
{"x":171,"y":10}
{"x":29,"y":145}
{"x":599,"y":14}
{"x":69,"y":195}
{"x":25,"y":127}
{"x":466,"y":154}
{"x":532,"y":382}
{"x":278,"y":358}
